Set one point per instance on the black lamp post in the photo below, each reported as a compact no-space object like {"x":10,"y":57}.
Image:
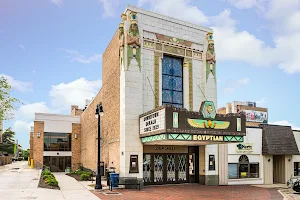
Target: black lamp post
{"x":98,"y":114}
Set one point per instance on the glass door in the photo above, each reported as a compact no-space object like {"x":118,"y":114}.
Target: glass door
{"x":147,"y":175}
{"x":171,"y":168}
{"x":158,"y":169}
{"x":182,"y":168}
{"x":62,"y":162}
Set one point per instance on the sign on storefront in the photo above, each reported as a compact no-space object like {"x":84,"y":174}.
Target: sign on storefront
{"x":153,"y":122}
{"x":244,"y":148}
{"x":207,"y":138}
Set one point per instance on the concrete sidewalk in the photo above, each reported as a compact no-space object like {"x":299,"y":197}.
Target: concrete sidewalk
{"x":72,"y":189}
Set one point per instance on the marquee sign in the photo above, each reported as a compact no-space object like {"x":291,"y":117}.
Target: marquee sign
{"x":171,"y":120}
{"x":154,"y":122}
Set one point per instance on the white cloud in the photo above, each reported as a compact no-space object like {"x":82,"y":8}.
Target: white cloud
{"x":286,"y":123}
{"x":58,"y":3}
{"x":246,"y":4}
{"x":77,"y":57}
{"x":22,"y":47}
{"x":20,"y":126}
{"x":235,"y":84}
{"x":18,"y":85}
{"x":261,"y":102}
{"x":64,"y":95}
{"x":26,"y":112}
{"x":109,"y":7}
{"x":174,"y":8}
{"x":283,"y":17}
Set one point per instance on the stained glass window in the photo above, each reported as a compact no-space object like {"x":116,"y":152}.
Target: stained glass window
{"x":172,"y":86}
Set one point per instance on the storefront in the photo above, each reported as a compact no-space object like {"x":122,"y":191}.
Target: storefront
{"x":175,"y":143}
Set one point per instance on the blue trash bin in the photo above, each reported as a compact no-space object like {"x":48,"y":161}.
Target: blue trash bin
{"x":114,"y":177}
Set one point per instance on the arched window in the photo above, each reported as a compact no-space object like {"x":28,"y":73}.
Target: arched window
{"x":243,"y":169}
{"x":243,"y":166}
{"x":243,"y":159}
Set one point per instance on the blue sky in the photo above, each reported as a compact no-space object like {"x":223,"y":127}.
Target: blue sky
{"x":50,"y":51}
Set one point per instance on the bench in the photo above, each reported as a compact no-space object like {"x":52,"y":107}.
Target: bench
{"x":126,"y":181}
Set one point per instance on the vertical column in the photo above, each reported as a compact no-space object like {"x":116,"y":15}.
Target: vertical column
{"x":76,"y":129}
{"x":268,"y":169}
{"x":289,"y":168}
{"x":186,"y":85}
{"x":38,"y":143}
{"x":211,"y":176}
{"x":202,"y":165}
{"x":131,"y":103}
{"x":223,"y":164}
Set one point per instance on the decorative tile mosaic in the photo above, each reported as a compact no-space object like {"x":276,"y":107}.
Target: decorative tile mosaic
{"x":174,"y":50}
{"x":173,"y":40}
{"x":189,"y":53}
{"x":148,"y":44}
{"x":158,"y":46}
{"x":154,"y":138}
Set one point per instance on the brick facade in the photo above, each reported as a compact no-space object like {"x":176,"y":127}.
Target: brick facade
{"x":38,"y":143}
{"x":110,"y":122}
{"x":76,"y":129}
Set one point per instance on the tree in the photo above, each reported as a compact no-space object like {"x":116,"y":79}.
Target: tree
{"x":26,"y":154}
{"x":7,"y":103}
{"x":8,"y":142}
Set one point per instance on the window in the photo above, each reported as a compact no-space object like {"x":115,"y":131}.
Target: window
{"x":172,"y":86}
{"x":296,"y":168}
{"x":243,"y":169}
{"x":57,"y":141}
{"x":232,"y":170}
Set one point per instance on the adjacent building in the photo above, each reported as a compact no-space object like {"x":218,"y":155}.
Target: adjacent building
{"x":254,"y":115}
{"x":160,"y":121}
{"x":55,"y":141}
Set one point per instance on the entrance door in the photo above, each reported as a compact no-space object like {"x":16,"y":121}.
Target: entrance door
{"x":165,"y":168}
{"x":158,"y":168}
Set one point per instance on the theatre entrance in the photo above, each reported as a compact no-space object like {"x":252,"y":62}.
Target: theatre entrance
{"x":162,"y":166}
{"x":165,"y":168}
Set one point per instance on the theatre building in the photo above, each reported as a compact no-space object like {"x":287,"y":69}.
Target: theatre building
{"x":160,"y":123}
{"x":159,"y":97}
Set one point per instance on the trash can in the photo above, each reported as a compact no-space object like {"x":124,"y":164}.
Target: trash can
{"x":114,"y":177}
{"x":107,"y":172}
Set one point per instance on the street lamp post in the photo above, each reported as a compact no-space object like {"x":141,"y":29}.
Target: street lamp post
{"x":98,"y":114}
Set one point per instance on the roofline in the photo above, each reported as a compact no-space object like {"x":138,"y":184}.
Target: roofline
{"x":61,"y":115}
{"x":168,"y":18}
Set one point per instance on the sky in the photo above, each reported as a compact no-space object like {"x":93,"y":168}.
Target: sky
{"x":51,"y":52}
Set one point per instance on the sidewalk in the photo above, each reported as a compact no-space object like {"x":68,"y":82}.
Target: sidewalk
{"x":72,"y":189}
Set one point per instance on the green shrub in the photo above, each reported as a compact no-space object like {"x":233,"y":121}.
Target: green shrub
{"x":46,"y":176}
{"x":73,"y":172}
{"x":84,"y":177}
{"x":51,"y":181}
{"x":46,"y":172}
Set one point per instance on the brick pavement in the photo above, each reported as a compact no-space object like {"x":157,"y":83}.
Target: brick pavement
{"x":195,"y":192}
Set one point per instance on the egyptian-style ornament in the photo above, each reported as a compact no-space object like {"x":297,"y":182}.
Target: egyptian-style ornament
{"x":210,"y":57}
{"x":121,"y":42}
{"x":208,"y":111}
{"x":133,"y":40}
